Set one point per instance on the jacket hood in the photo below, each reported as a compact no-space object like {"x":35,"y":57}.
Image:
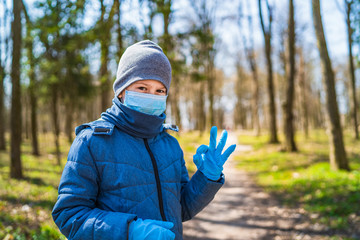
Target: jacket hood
{"x":132,"y":122}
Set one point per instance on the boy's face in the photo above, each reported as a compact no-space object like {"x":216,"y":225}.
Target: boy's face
{"x":146,"y":86}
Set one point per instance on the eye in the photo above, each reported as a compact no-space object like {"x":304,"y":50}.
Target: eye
{"x":161,"y":91}
{"x":142,"y":88}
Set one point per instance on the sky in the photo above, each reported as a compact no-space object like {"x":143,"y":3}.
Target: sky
{"x":333,"y":21}
{"x":228,"y":32}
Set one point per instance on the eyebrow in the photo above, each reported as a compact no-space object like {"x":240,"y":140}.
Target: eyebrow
{"x":146,"y":84}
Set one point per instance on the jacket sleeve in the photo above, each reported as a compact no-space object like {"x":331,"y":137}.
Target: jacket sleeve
{"x":75,"y":211}
{"x":197,"y":193}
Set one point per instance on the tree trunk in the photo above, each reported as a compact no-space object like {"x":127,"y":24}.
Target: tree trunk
{"x":119,"y":34}
{"x":270,"y":81}
{"x":174,"y":100}
{"x":211,"y":82}
{"x":69,"y":121}
{"x":32,"y":94}
{"x":338,"y":158}
{"x":250,"y":56}
{"x":105,"y":38}
{"x":352,"y":69}
{"x":199,"y":108}
{"x":2,"y":109}
{"x":25,"y":117}
{"x":240,"y":109}
{"x":290,"y":145}
{"x":15,"y":152}
{"x":56,"y":127}
{"x":164,"y":7}
{"x":255,"y":100}
{"x":303,"y":97}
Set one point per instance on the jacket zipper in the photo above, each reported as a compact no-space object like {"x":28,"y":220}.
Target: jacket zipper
{"x":157,"y":178}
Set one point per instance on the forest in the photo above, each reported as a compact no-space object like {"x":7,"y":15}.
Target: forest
{"x":282,"y":76}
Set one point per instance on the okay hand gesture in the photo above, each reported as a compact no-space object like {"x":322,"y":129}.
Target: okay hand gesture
{"x":210,"y":159}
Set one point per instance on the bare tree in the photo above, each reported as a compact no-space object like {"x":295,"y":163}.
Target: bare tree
{"x":348,"y":20}
{"x":248,"y":43}
{"x":303,"y":94}
{"x":338,"y":158}
{"x":267,"y":32}
{"x":32,"y":84}
{"x":104,"y":28}
{"x":15,"y":152}
{"x":203,"y":32}
{"x":289,"y":116}
{"x":3,"y":45}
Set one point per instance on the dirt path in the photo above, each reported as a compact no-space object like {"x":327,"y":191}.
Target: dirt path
{"x":242,"y":210}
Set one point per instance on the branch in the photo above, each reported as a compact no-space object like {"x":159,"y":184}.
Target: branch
{"x":261,"y":17}
{"x":270,"y":10}
{"x":25,"y":12}
{"x":339,"y":6}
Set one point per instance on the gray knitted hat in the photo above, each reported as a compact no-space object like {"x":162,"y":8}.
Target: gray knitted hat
{"x":143,"y":60}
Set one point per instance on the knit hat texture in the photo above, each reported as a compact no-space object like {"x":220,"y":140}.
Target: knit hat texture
{"x":144,"y":60}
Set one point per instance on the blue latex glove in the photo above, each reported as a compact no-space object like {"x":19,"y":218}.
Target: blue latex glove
{"x":150,"y":230}
{"x":209,"y":160}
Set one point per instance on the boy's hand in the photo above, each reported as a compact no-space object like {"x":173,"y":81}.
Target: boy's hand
{"x":209,"y":160}
{"x":150,"y":230}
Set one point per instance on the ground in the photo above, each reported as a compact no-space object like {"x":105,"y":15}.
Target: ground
{"x":242,"y":210}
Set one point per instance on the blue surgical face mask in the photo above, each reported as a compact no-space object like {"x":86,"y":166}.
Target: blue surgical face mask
{"x":146,"y":103}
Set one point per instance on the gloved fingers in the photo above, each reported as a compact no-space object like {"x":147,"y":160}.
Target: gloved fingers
{"x":167,"y":225}
{"x":167,"y":234}
{"x":222,"y":142}
{"x":197,"y":160}
{"x":227,"y":154}
{"x":213,"y":135}
{"x":202,"y":149}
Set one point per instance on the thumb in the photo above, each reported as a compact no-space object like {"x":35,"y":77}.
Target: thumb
{"x":202,"y":149}
{"x":197,"y":157}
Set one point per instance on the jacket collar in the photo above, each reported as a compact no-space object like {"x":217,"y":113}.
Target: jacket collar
{"x":132,"y":122}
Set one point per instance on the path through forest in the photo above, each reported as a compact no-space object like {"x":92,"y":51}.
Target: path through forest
{"x":242,"y":210}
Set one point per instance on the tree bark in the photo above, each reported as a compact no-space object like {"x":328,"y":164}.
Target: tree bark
{"x":338,"y":158}
{"x":2,"y":94}
{"x":164,"y":7}
{"x":32,"y":94}
{"x":2,"y":109}
{"x":200,"y":105}
{"x":105,"y":38}
{"x":211,"y":83}
{"x":352,"y":68}
{"x":69,"y":121}
{"x":290,"y":145}
{"x":270,"y":81}
{"x":15,"y":151}
{"x":119,"y":33}
{"x":303,"y":95}
{"x":250,"y":56}
{"x":56,"y":127}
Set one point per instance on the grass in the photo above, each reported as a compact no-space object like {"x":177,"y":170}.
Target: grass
{"x":304,"y":179}
{"x":301,"y":179}
{"x":189,"y":142}
{"x":25,"y":205}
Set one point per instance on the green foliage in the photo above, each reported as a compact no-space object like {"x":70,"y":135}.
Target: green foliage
{"x":304,"y":179}
{"x":25,"y":205}
{"x":63,"y":38}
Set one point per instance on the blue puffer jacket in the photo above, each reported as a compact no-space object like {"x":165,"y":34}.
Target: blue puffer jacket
{"x":124,"y":167}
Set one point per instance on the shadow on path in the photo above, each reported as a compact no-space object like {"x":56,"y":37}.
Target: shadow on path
{"x":242,"y":210}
